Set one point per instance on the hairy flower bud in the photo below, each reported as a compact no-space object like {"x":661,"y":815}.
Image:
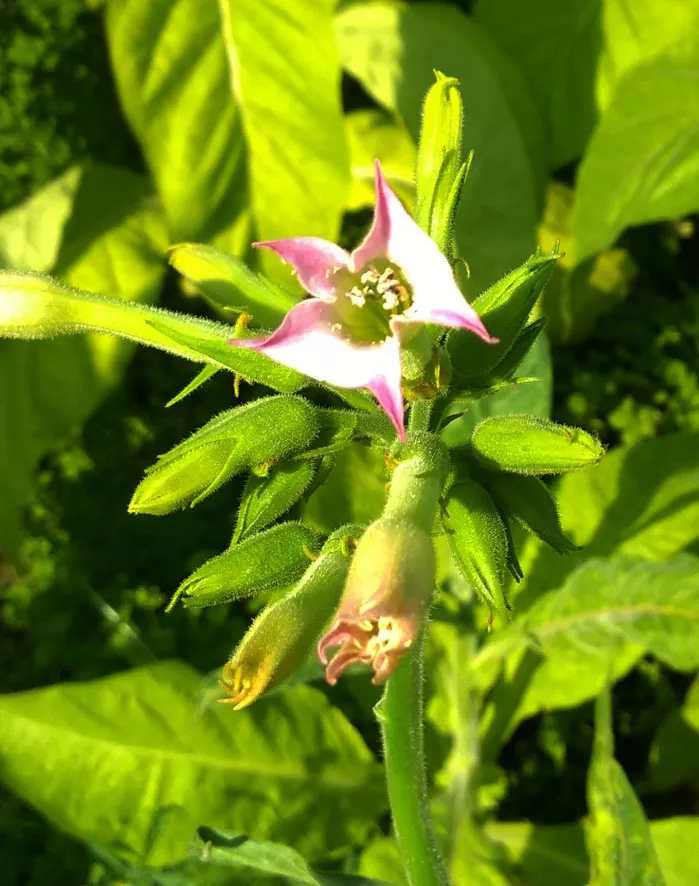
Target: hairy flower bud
{"x":280,"y":639}
{"x":388,"y":588}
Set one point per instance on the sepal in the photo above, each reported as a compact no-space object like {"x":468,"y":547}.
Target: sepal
{"x":267,"y":498}
{"x":528,"y":501}
{"x":504,"y":309}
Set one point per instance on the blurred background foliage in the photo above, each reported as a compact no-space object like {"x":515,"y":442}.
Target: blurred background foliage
{"x":109,"y":150}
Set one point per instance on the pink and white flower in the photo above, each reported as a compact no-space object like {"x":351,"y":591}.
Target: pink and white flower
{"x":348,"y":334}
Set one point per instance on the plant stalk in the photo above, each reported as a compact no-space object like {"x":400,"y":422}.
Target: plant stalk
{"x":400,"y":716}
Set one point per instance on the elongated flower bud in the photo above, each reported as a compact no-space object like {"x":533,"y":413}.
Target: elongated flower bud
{"x":389,"y":585}
{"x":240,"y":439}
{"x":280,"y":639}
{"x":391,"y":578}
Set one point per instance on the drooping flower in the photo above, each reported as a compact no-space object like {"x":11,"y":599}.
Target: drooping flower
{"x":388,"y":588}
{"x":349,"y":333}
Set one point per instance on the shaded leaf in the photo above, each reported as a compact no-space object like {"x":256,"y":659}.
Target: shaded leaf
{"x":573,"y":53}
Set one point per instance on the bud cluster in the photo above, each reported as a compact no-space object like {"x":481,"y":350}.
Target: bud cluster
{"x":360,"y":595}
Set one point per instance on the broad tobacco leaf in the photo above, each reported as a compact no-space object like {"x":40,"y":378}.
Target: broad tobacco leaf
{"x":96,"y":227}
{"x":608,"y":614}
{"x":618,"y":837}
{"x":236,"y":852}
{"x":237,"y":107}
{"x":572,"y":54}
{"x":104,"y":759}
{"x":642,"y":163}
{"x":393,"y":49}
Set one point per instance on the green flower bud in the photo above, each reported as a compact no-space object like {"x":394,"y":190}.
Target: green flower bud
{"x":479,"y":541}
{"x":230,"y":283}
{"x":267,"y":498}
{"x":271,"y":559}
{"x":440,"y":173}
{"x":280,"y":639}
{"x":525,"y":444}
{"x":250,"y":437}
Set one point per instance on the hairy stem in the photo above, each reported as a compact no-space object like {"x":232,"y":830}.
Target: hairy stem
{"x":419,"y":417}
{"x":400,"y":716}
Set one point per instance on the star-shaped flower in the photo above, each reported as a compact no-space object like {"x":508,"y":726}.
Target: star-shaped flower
{"x":349,"y":333}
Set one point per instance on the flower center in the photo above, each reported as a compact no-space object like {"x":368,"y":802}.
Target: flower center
{"x":368,"y":299}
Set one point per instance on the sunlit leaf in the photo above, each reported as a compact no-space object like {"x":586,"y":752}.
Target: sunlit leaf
{"x":607,"y":615}
{"x":101,"y":759}
{"x":642,"y":163}
{"x":235,"y":103}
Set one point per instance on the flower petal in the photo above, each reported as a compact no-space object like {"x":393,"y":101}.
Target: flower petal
{"x":306,"y":341}
{"x":436,"y":295}
{"x":313,"y":260}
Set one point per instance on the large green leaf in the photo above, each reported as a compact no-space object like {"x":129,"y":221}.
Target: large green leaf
{"x":605,"y":617}
{"x":235,"y":102}
{"x":95,"y":227}
{"x":374,"y":135}
{"x":642,"y":163}
{"x":102,"y":759}
{"x":618,"y":836}
{"x":393,"y":50}
{"x":573,"y":53}
{"x":576,"y":296}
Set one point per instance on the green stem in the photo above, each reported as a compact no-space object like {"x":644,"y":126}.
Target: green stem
{"x":419,"y":417}
{"x":400,"y":717}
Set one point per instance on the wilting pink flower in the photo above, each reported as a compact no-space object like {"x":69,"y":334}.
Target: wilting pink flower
{"x":388,"y":588}
{"x":349,"y":333}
